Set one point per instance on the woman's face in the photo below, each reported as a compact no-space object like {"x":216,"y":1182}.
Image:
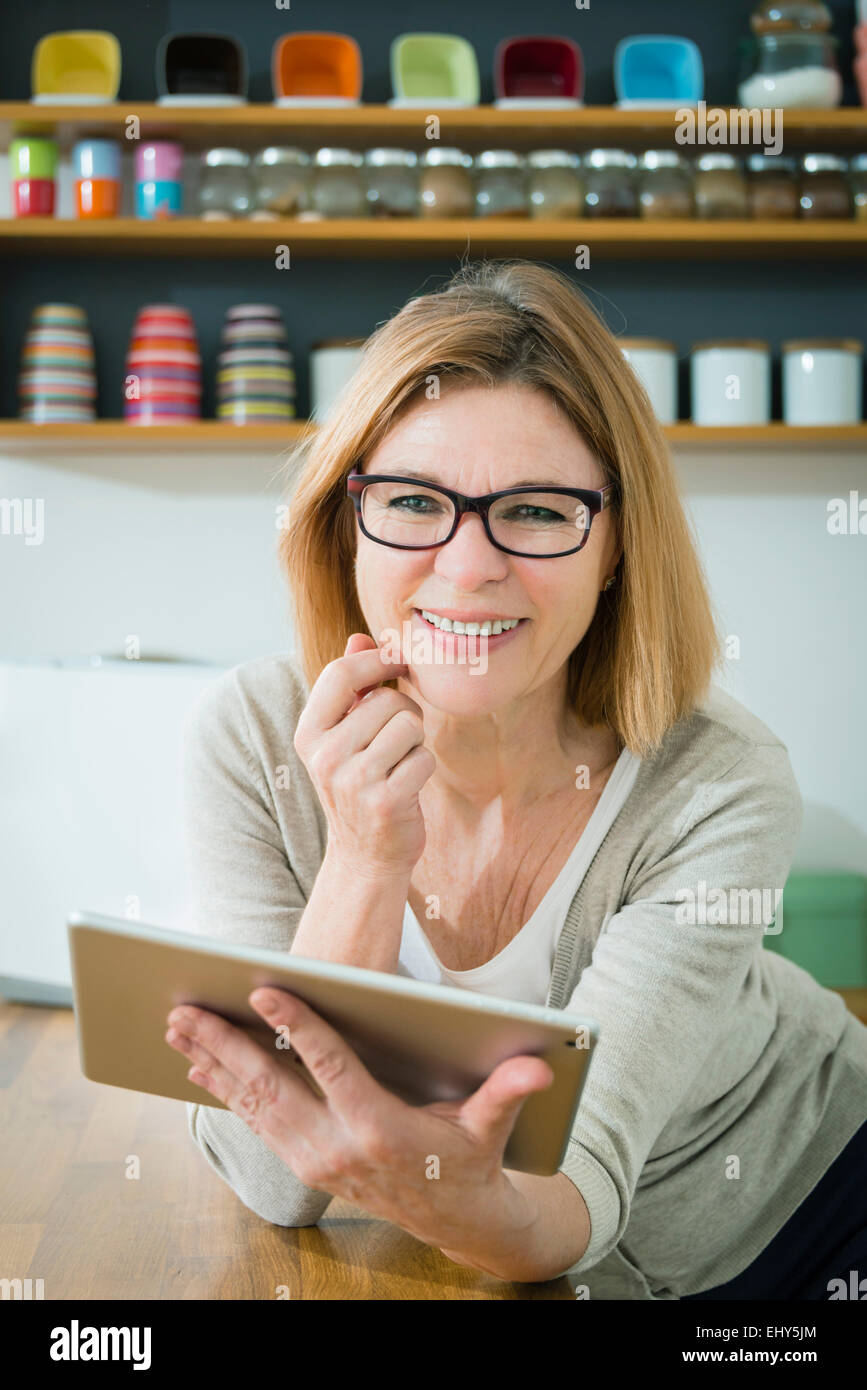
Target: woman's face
{"x":478,"y":440}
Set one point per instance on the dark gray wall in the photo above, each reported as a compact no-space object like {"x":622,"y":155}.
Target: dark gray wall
{"x":715,"y":25}
{"x":323,"y":299}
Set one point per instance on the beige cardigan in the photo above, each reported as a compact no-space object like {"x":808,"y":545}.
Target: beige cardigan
{"x":711,"y":1048}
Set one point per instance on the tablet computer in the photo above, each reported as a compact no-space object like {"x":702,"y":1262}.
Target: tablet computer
{"x":423,"y":1042}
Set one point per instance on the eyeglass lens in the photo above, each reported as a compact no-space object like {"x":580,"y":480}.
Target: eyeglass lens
{"x":537,"y":523}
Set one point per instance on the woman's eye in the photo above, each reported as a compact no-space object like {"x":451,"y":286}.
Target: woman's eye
{"x":529,"y":513}
{"x":414,"y":504}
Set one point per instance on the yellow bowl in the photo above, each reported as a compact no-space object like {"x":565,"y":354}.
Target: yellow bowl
{"x":81,"y":65}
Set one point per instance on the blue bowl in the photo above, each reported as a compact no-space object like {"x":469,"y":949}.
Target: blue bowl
{"x":96,"y":159}
{"x":658,"y":67}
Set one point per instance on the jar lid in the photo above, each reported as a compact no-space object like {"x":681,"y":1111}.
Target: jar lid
{"x":338,"y":342}
{"x":445,"y":154}
{"x":710,"y":343}
{"x":790,"y":16}
{"x":820,"y":344}
{"x":707,"y":162}
{"x":609,"y":159}
{"x":661,"y":159}
{"x":553,"y":159}
{"x":823,"y":163}
{"x":281,"y":154}
{"x":329,"y":155}
{"x":769,"y":163}
{"x":638,"y":343}
{"x":220,"y":157}
{"x":499,"y":159}
{"x":381,"y":155}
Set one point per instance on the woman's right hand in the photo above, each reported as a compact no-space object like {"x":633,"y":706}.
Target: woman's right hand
{"x":363,"y":747}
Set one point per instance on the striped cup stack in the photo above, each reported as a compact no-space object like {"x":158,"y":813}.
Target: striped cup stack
{"x":163,"y":383}
{"x":255,"y":375}
{"x":57,"y":381}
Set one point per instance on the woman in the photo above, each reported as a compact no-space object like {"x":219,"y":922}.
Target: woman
{"x":501,"y":764}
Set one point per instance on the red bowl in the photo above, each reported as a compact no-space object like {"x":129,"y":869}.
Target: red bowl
{"x":539,"y":66}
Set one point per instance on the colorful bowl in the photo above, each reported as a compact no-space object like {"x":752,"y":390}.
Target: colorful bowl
{"x":163,"y":372}
{"x":32,"y":173}
{"x":657,"y":70}
{"x":75,"y":67}
{"x":57,"y":379}
{"x":201,"y":69}
{"x":433,"y":68}
{"x":316,"y":70}
{"x":96,"y":166}
{"x":255,"y":375}
{"x":541,"y":71}
{"x":159,"y":187}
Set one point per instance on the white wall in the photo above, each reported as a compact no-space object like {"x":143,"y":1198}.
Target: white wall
{"x":795,"y":595}
{"x":181,"y":551}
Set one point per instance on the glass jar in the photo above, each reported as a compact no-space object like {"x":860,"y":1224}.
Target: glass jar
{"x":500,"y":184}
{"x":609,"y":184}
{"x":338,"y":186}
{"x":225,"y":189}
{"x":554,"y":186}
{"x":281,"y":182}
{"x":720,"y":187}
{"x":789,"y":68}
{"x":792,"y":60}
{"x":392,"y":182}
{"x":445,"y":183}
{"x":664,"y":185}
{"x":772,"y":187}
{"x":858,"y":184}
{"x":824,"y":186}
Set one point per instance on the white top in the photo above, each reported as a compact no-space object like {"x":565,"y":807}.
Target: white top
{"x":522,"y":970}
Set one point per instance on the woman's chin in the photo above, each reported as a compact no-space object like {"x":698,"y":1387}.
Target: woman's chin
{"x":461,"y":691}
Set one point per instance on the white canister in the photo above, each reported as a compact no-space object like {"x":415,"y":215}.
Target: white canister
{"x":332,"y":363}
{"x":731,"y":382}
{"x":822,"y":381}
{"x":654,"y":361}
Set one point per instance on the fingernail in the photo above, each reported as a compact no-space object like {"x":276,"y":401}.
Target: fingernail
{"x":266,"y":1003}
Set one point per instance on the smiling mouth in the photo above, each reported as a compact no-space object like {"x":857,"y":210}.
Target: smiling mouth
{"x":483,"y":627}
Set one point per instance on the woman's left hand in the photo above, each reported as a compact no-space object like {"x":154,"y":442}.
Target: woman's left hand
{"x":435,"y":1170}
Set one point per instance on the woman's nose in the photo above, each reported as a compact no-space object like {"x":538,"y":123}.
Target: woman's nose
{"x":469,"y":559}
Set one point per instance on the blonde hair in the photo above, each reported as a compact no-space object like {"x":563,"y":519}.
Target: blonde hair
{"x":650,"y":651}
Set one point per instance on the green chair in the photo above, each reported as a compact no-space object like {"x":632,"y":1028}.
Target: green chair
{"x":824,"y":927}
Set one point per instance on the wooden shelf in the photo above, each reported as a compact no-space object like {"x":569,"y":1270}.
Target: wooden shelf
{"x":856,"y":1001}
{"x":777,"y":435}
{"x":263,"y":123}
{"x":607,"y":238}
{"x":215,"y":434}
{"x":116,"y":435}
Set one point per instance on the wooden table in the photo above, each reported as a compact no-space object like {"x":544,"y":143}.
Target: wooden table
{"x":70,"y":1215}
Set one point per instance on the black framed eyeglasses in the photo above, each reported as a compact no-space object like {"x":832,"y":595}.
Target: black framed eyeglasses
{"x":539,"y":523}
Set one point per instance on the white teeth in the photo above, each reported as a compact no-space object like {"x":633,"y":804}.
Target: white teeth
{"x":489,"y":628}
